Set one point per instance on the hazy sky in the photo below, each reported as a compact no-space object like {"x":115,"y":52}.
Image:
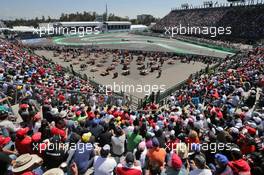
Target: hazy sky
{"x":53,"y":8}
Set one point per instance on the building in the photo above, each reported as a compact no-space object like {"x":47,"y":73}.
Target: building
{"x":108,"y":26}
{"x":144,"y":17}
{"x":117,"y":26}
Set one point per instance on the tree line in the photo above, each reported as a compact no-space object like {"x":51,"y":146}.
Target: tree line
{"x":84,"y":16}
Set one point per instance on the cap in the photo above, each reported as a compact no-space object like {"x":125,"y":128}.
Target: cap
{"x":251,"y":130}
{"x":36,"y":137}
{"x":257,"y":120}
{"x":22,"y":132}
{"x":239,"y":125}
{"x":222,"y":159}
{"x":155,"y":142}
{"x":234,"y":130}
{"x":55,"y":139}
{"x":4,"y":140}
{"x":24,"y":106}
{"x":176,"y":162}
{"x":63,"y":114}
{"x":57,"y":131}
{"x":86,"y":137}
{"x":200,"y":159}
{"x":245,"y":108}
{"x":235,"y":149}
{"x":78,"y":113}
{"x":106,"y":147}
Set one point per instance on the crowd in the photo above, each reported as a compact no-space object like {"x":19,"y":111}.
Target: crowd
{"x":210,"y":126}
{"x":246,"y":21}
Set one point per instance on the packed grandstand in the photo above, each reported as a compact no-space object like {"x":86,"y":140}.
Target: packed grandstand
{"x":55,"y":120}
{"x":246,"y":21}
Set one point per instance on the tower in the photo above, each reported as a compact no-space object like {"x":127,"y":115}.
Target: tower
{"x":106,"y":12}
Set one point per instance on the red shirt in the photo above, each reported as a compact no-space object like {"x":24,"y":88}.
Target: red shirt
{"x":239,"y":166}
{"x":122,"y":170}
{"x":24,"y":146}
{"x":25,"y":173}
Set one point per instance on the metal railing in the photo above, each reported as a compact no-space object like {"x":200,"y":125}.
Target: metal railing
{"x":163,"y":97}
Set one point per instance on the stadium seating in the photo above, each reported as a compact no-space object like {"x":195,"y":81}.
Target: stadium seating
{"x":246,"y":21}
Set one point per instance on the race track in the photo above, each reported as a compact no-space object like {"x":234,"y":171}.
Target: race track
{"x":138,"y":42}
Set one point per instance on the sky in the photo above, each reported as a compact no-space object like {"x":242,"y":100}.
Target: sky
{"x":11,"y":9}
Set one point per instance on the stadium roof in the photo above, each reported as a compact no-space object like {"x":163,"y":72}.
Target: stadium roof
{"x":80,"y":23}
{"x":118,"y":22}
{"x":24,"y":29}
{"x":139,"y":26}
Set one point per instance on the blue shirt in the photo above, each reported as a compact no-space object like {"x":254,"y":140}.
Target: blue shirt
{"x":83,"y":156}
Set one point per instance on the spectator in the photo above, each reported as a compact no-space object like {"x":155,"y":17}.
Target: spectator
{"x":200,"y":166}
{"x":55,"y":154}
{"x":133,"y":139}
{"x":156,"y":157}
{"x":238,"y":165}
{"x":222,"y":165}
{"x":23,"y":141}
{"x":129,"y":166}
{"x":27,"y":164}
{"x":118,"y":141}
{"x":84,"y":153}
{"x":104,"y":165}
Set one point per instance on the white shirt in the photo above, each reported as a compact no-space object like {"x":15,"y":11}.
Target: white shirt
{"x":201,"y":172}
{"x":104,"y":166}
{"x":118,"y":144}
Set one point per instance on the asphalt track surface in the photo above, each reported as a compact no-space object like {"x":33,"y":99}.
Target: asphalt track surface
{"x":138,"y":42}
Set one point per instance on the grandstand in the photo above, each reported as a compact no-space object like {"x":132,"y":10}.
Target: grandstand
{"x":246,"y":21}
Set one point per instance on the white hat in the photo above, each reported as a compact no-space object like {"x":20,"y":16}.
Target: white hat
{"x":106,"y":147}
{"x":257,"y":120}
{"x":252,"y":124}
{"x":157,"y":128}
{"x":172,"y":132}
{"x":54,"y":111}
{"x":172,"y":113}
{"x":234,"y":130}
{"x":235,"y":149}
{"x":201,"y":116}
{"x":245,"y":108}
{"x":219,"y":128}
{"x":54,"y":171}
{"x":25,"y":161}
{"x":239,"y":125}
{"x":63,"y":114}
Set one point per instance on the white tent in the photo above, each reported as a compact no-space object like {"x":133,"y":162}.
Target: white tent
{"x":139,"y":27}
